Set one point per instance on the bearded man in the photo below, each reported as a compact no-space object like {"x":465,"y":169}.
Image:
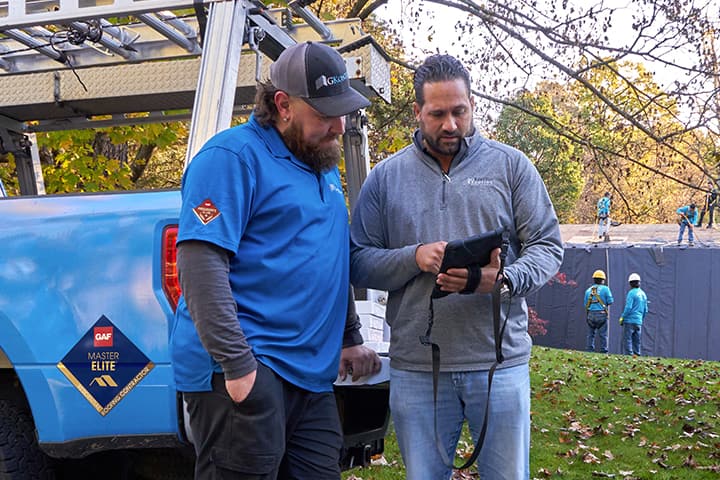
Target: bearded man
{"x":266,"y":322}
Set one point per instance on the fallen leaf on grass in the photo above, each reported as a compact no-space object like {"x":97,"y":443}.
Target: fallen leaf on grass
{"x":545,"y":472}
{"x":590,"y":458}
{"x":464,"y":475}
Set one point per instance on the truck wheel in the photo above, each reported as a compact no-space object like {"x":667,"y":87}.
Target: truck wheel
{"x":20,"y":455}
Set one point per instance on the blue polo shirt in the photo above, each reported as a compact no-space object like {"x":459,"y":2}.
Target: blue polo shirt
{"x":288,"y":229}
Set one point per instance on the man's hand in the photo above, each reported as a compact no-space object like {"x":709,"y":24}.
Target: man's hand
{"x":358,"y":361}
{"x":455,"y":279}
{"x":687,"y":220}
{"x":239,"y":388}
{"x":429,"y":256}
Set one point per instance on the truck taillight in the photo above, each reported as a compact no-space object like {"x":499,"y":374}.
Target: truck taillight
{"x":170,"y":282}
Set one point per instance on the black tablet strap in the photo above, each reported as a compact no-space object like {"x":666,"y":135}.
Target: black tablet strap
{"x":498,"y":331}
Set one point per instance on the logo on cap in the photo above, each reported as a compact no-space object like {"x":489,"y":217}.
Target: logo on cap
{"x":323,"y":81}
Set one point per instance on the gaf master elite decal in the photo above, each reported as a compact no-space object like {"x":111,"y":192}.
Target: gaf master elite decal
{"x":104,"y":365}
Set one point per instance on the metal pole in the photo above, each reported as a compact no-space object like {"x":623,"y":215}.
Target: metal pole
{"x":217,"y":80}
{"x":357,"y":154}
{"x":27,"y":160}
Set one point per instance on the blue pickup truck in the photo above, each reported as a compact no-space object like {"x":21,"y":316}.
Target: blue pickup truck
{"x":88,"y":287}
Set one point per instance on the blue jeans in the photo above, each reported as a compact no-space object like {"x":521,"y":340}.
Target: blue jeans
{"x":462,"y":395}
{"x":597,"y":318}
{"x":603,"y":226}
{"x":632,"y":333}
{"x":691,"y":233}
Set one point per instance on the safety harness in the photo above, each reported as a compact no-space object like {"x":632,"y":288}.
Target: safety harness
{"x":595,"y":298}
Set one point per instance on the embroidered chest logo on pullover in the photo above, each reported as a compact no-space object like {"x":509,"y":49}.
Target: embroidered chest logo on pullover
{"x":477,"y":181}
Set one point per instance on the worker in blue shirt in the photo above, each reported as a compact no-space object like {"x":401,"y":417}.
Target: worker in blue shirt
{"x":597,"y":303}
{"x":265,"y":323}
{"x":603,"y":216}
{"x":688,"y":218}
{"x":636,"y":307}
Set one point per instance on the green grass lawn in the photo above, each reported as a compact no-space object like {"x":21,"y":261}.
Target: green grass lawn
{"x":610,"y":416}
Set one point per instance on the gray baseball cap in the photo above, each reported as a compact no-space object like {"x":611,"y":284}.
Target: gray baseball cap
{"x":316,"y":73}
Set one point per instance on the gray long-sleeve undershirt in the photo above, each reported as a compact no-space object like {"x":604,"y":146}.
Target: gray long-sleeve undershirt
{"x":203,"y":273}
{"x":203,"y":270}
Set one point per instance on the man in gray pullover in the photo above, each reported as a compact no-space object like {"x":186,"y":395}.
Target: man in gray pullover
{"x":451,"y":183}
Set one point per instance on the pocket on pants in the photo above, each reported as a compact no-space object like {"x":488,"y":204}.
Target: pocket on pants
{"x":254,"y":437}
{"x":230,"y":463}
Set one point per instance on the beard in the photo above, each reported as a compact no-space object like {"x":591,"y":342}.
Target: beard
{"x":444,"y":147}
{"x":318,"y":158}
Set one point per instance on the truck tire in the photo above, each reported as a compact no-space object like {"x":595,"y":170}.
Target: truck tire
{"x":20,"y":455}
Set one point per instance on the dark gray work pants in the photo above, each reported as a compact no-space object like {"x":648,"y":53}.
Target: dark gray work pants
{"x":278,"y":432}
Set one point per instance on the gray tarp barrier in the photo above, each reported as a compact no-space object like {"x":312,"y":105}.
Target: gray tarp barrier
{"x":682,"y":285}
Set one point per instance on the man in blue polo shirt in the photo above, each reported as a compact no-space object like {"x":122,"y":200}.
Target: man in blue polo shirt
{"x":261,"y":330}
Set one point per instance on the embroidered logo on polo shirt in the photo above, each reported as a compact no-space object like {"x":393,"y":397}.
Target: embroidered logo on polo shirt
{"x":206,"y":211}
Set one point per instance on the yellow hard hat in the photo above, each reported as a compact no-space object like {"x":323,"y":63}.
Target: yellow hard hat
{"x":599,"y":274}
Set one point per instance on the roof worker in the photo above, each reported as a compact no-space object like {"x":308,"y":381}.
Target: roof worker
{"x":603,"y":216}
{"x":598,"y":298}
{"x":709,"y":205}
{"x":688,"y":218}
{"x":636,"y":308}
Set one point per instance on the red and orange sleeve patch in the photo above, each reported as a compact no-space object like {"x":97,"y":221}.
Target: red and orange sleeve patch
{"x":206,"y":211}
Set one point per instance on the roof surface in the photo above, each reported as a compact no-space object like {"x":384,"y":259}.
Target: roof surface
{"x":647,"y":235}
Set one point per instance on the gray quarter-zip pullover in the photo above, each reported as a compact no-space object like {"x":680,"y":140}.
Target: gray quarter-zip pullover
{"x":406,"y":201}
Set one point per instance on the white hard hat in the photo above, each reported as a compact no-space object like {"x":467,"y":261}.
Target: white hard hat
{"x":634,"y":277}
